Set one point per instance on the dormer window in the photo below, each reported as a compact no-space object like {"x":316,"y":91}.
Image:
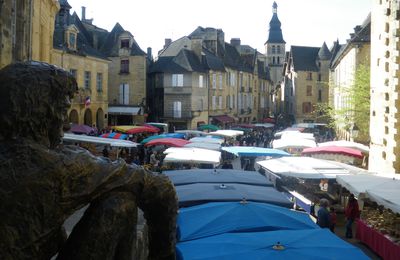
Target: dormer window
{"x":124,"y":43}
{"x":72,"y":40}
{"x":71,"y":36}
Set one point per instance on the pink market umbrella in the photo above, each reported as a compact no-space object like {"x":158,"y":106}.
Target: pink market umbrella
{"x":142,"y":129}
{"x":175,"y":142}
{"x":333,"y":150}
{"x":81,"y":129}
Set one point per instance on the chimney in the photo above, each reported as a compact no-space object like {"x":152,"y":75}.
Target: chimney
{"x":235,"y":42}
{"x":167,"y":42}
{"x":197,"y":46}
{"x":149,"y":54}
{"x":83,"y":13}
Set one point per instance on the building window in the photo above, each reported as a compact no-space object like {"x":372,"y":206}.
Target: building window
{"x":228,"y":102}
{"x":278,"y":60}
{"x":319,"y":95}
{"x":273,"y":49}
{"x":214,"y":102}
{"x":278,"y":49}
{"x":124,"y":94}
{"x":177,"y":109}
{"x":214,"y":80}
{"x":177,"y":80}
{"x":309,"y":76}
{"x":72,"y":40}
{"x":124,"y":43}
{"x":124,"y":66}
{"x":220,"y":81}
{"x":87,"y":79}
{"x":74,"y":73}
{"x":99,"y":82}
{"x":319,"y":77}
{"x":220,"y":102}
{"x":201,"y":79}
{"x":273,"y":60}
{"x":309,"y":91}
{"x":307,"y":108}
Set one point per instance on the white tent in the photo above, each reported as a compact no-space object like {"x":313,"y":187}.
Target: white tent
{"x":99,"y":140}
{"x":227,"y":133}
{"x":295,"y":134}
{"x":192,"y":155}
{"x":209,"y":146}
{"x":288,"y":143}
{"x":207,"y":139}
{"x":383,"y":189}
{"x":306,"y":167}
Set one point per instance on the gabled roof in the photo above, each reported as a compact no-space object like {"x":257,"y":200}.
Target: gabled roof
{"x":304,"y":58}
{"x":185,"y":61}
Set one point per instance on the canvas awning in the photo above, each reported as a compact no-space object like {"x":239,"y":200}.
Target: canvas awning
{"x":224,"y":119}
{"x":123,"y":110}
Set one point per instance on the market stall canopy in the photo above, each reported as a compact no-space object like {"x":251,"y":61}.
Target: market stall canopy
{"x":334,"y":150}
{"x":224,"y":119}
{"x":206,"y":139}
{"x":309,"y":125}
{"x":265,"y":125}
{"x":81,"y":129}
{"x":227,"y":133}
{"x":281,"y":244}
{"x":216,"y":218}
{"x":208,"y":127}
{"x":168,"y":135}
{"x":253,"y":151}
{"x":297,"y":135}
{"x":360,"y":184}
{"x":191,"y":132}
{"x":142,"y":129}
{"x":305,"y":167}
{"x":175,"y":142}
{"x":99,"y":140}
{"x":209,"y":146}
{"x":200,"y":193}
{"x":115,"y":135}
{"x":349,"y":144}
{"x":191,"y":176}
{"x":288,"y":143}
{"x":192,"y":155}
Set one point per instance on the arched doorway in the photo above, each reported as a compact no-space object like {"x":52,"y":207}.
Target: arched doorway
{"x":100,"y":119}
{"x":87,"y":120}
{"x":73,"y":117}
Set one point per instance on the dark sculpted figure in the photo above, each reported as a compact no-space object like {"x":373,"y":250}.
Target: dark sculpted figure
{"x":43,"y":182}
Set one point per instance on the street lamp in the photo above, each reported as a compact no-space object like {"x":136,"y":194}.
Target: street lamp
{"x":355,"y":131}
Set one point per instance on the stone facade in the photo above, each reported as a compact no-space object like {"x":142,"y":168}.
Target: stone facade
{"x":26,"y":30}
{"x":384,"y":155}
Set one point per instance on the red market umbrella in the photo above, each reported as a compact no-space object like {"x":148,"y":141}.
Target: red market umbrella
{"x":333,"y":150}
{"x":142,"y":129}
{"x":81,"y":129}
{"x":168,"y":142}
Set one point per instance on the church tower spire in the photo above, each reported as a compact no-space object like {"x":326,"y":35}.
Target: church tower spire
{"x":275,"y":46}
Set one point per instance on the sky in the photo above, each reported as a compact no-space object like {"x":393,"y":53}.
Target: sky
{"x":304,"y":22}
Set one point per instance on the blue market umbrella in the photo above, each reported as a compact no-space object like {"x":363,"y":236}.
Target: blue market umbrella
{"x":251,"y":151}
{"x":183,"y":177}
{"x":225,"y":217}
{"x":200,"y":193}
{"x":282,"y":244}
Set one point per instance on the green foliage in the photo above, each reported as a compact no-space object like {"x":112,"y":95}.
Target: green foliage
{"x":324,"y":114}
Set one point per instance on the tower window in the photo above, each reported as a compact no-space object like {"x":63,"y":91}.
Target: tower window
{"x":273,"y":49}
{"x":125,"y":43}
{"x":278,"y":50}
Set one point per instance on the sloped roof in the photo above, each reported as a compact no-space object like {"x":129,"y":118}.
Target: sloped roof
{"x":304,"y":58}
{"x":324,"y":53}
{"x":185,"y":61}
{"x":212,"y":62}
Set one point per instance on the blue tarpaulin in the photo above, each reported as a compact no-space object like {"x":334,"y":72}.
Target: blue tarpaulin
{"x":252,"y":151}
{"x":200,"y":193}
{"x":224,"y":217}
{"x":281,"y":244}
{"x":183,"y":177}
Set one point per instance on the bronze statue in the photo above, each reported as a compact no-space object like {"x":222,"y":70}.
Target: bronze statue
{"x":42,"y":182}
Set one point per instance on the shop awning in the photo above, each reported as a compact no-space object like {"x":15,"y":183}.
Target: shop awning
{"x":224,"y":119}
{"x":123,"y":110}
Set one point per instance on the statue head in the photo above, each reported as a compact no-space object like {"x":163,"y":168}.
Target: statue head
{"x":34,"y":99}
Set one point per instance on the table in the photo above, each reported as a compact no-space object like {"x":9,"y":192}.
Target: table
{"x":380,"y":244}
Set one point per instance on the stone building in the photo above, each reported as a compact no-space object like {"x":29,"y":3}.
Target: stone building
{"x":74,"y":51}
{"x":127,"y":75}
{"x":384,"y":155}
{"x":346,"y":60}
{"x":26,"y":30}
{"x":306,"y":82}
{"x":208,"y":81}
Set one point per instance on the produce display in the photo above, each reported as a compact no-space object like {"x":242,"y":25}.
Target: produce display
{"x":384,"y":221}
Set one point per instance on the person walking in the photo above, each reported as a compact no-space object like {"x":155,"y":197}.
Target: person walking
{"x":323,"y":216}
{"x":352,"y":212}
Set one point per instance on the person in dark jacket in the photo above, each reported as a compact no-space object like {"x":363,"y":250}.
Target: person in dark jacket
{"x":352,"y":213}
{"x":323,"y":215}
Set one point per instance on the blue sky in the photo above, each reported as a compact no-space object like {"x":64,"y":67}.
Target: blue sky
{"x":304,"y":22}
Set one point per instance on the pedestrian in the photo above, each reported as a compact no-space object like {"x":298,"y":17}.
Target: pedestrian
{"x":323,"y":216}
{"x":105,"y":151}
{"x":227,"y":165}
{"x":333,"y":219}
{"x":352,"y":213}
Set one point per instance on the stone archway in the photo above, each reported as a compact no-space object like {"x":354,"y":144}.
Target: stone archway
{"x":73,"y":117}
{"x":100,"y":119}
{"x":87,"y":120}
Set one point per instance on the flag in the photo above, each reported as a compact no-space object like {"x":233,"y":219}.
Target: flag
{"x":87,"y":101}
